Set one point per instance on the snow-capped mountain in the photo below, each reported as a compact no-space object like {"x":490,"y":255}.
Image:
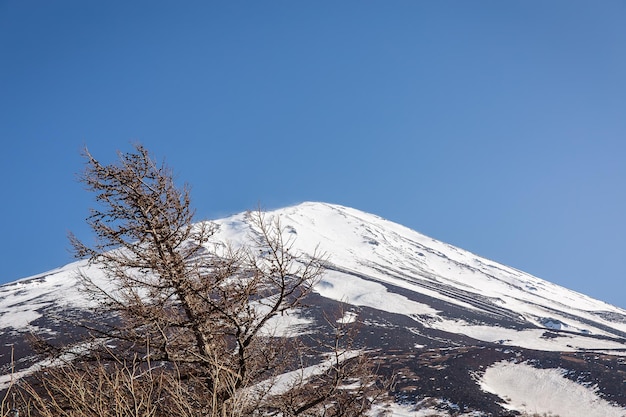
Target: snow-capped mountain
{"x":463,"y":334}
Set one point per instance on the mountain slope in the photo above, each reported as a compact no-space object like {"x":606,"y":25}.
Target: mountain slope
{"x":368,"y":253}
{"x":440,"y":316}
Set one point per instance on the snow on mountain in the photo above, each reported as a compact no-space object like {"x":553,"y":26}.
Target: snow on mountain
{"x":368,"y":253}
{"x":545,"y":391}
{"x":430,"y":306}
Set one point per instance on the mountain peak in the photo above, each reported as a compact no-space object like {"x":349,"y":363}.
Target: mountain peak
{"x":413,"y":294}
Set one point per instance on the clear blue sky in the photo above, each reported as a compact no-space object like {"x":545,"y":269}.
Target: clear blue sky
{"x":496,"y":126}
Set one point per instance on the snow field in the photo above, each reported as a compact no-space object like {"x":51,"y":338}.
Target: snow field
{"x":528,"y":389}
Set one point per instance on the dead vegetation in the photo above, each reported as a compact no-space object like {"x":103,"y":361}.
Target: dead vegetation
{"x":193,"y":329}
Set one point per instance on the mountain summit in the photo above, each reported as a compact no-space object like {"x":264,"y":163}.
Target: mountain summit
{"x":462,"y":334}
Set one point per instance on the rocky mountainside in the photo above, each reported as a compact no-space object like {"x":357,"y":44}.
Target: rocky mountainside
{"x":463,"y":335}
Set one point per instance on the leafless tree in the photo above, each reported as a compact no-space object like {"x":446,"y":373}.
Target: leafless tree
{"x":190,"y":328}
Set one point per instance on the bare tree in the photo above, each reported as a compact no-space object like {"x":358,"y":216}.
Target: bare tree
{"x":190,"y":333}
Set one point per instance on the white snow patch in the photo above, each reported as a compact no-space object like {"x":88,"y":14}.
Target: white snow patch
{"x":348,"y":317}
{"x":290,"y":324}
{"x":415,"y":410}
{"x":528,"y":338}
{"x":359,"y":292}
{"x":533,"y":390}
{"x":286,"y":381}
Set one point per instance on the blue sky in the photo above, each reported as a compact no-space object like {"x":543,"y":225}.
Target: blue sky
{"x":496,"y":126}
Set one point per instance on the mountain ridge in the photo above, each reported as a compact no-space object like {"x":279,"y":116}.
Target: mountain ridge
{"x":436,"y":312}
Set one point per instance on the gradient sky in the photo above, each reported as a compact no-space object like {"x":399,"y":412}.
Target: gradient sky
{"x":496,"y":126}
